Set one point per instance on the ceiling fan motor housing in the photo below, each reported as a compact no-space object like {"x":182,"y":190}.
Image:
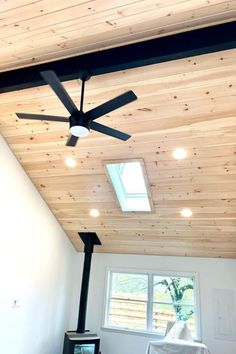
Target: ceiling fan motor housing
{"x":78,"y":125}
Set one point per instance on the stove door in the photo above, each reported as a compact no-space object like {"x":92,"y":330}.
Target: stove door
{"x":84,"y":349}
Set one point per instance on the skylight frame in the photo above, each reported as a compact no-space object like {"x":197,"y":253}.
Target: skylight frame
{"x":146,"y":182}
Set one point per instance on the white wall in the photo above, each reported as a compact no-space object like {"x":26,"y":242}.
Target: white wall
{"x":213,"y":274}
{"x":36,"y":267}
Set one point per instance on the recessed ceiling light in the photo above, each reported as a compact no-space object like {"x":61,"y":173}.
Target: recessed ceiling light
{"x":94,"y":213}
{"x":70,"y":162}
{"x":186,"y":213}
{"x":180,"y":154}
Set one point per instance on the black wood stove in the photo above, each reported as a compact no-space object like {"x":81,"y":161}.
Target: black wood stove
{"x":82,"y":341}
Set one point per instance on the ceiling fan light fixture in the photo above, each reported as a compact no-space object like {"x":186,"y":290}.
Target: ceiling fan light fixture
{"x":79,"y":131}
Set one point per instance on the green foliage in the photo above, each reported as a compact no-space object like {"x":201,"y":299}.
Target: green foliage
{"x":176,"y":291}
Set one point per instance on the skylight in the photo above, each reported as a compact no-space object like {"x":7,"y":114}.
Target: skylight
{"x":129,"y":184}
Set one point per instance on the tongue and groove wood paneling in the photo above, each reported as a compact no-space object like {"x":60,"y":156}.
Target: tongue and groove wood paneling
{"x":43,"y":30}
{"x":189,"y":103}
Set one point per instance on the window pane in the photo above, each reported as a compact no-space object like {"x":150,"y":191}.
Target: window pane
{"x":129,"y":184}
{"x":161,"y":289}
{"x":129,"y":286}
{"x":127,"y":314}
{"x":191,"y":322}
{"x":188,"y":297}
{"x":173,"y":289}
{"x":132,"y":178}
{"x":162,"y":314}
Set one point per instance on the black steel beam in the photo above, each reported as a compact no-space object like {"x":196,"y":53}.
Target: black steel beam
{"x":177,"y":46}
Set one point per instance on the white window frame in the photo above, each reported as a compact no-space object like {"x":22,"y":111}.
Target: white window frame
{"x":121,"y":198}
{"x":150,"y":274}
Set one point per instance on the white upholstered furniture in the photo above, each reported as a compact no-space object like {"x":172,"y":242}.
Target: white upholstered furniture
{"x":177,"y":341}
{"x":176,"y":346}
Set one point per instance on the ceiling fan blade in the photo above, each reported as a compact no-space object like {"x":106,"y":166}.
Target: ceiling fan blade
{"x":109,"y":131}
{"x":42,"y":117}
{"x":111,"y":105}
{"x":72,"y":140}
{"x":51,"y":79}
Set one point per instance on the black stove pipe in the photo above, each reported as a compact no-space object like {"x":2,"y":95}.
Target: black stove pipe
{"x":89,"y":239}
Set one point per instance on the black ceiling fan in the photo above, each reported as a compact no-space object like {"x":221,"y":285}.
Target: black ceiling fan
{"x":80,"y":122}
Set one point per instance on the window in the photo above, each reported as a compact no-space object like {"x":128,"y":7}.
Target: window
{"x":146,"y":302}
{"x":129,"y":182}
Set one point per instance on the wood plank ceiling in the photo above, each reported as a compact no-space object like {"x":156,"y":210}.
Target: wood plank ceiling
{"x":189,"y":103}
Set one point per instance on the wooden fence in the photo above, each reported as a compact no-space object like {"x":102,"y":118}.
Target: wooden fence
{"x":133,"y":315}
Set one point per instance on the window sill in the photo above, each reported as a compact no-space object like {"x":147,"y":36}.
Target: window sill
{"x":140,"y":333}
{"x":133,"y":332}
